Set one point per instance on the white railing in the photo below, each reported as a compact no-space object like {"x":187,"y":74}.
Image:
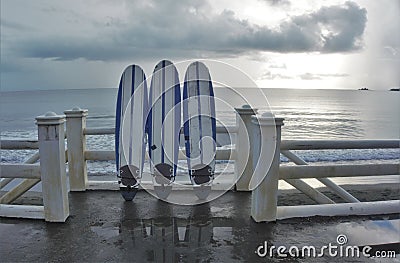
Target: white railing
{"x":264,"y":205}
{"x":321,"y":173}
{"x":250,"y":130}
{"x":264,"y":198}
{"x":51,"y":171}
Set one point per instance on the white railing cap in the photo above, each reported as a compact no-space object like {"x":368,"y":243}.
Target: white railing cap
{"x":50,"y":118}
{"x":246,"y":110}
{"x":76,"y":112}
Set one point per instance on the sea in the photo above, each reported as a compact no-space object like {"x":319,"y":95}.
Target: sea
{"x":307,"y":113}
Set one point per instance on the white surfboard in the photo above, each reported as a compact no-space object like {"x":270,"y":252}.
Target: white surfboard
{"x":131,"y":112}
{"x":164,"y":123}
{"x":199,"y":127}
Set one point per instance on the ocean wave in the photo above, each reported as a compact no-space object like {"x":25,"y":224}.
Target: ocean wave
{"x":313,"y":156}
{"x":100,"y":117}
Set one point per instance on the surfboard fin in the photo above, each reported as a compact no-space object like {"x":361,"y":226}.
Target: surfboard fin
{"x":201,"y":174}
{"x":128,"y":193}
{"x":163,"y":177}
{"x":163,"y":191}
{"x":164,"y":173}
{"x":202,"y":191}
{"x":129,"y":176}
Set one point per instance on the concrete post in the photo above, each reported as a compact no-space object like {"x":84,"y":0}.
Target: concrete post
{"x":76,"y":142}
{"x":264,"y":198}
{"x":52,"y":166}
{"x":244,"y":153}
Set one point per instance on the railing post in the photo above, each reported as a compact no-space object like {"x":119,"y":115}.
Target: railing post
{"x":244,"y":153}
{"x":52,"y":166}
{"x":76,"y":142}
{"x":264,"y":198}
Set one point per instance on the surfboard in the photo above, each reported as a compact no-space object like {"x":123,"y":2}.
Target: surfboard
{"x":164,"y":123}
{"x":199,"y":127}
{"x":131,"y":112}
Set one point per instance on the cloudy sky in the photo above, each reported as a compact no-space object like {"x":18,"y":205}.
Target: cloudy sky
{"x":279,"y":43}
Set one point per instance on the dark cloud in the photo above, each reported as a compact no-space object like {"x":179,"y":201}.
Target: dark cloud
{"x":345,"y":26}
{"x":172,"y":28}
{"x":329,"y":30}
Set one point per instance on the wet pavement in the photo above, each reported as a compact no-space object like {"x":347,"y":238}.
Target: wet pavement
{"x":102,"y":227}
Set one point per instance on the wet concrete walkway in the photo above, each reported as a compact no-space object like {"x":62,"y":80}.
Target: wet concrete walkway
{"x":102,"y":227}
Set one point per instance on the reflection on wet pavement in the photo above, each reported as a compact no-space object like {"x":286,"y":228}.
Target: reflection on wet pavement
{"x":103,"y":228}
{"x":180,"y":239}
{"x":371,"y":232}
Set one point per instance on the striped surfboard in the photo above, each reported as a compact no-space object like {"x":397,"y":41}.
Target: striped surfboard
{"x":131,"y":112}
{"x":164,"y":123}
{"x":199,"y":124}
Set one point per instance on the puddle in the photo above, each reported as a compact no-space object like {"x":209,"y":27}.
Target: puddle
{"x":180,"y":239}
{"x":106,"y":231}
{"x":372,"y":232}
{"x":181,"y":233}
{"x":222,"y":233}
{"x":221,"y":211}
